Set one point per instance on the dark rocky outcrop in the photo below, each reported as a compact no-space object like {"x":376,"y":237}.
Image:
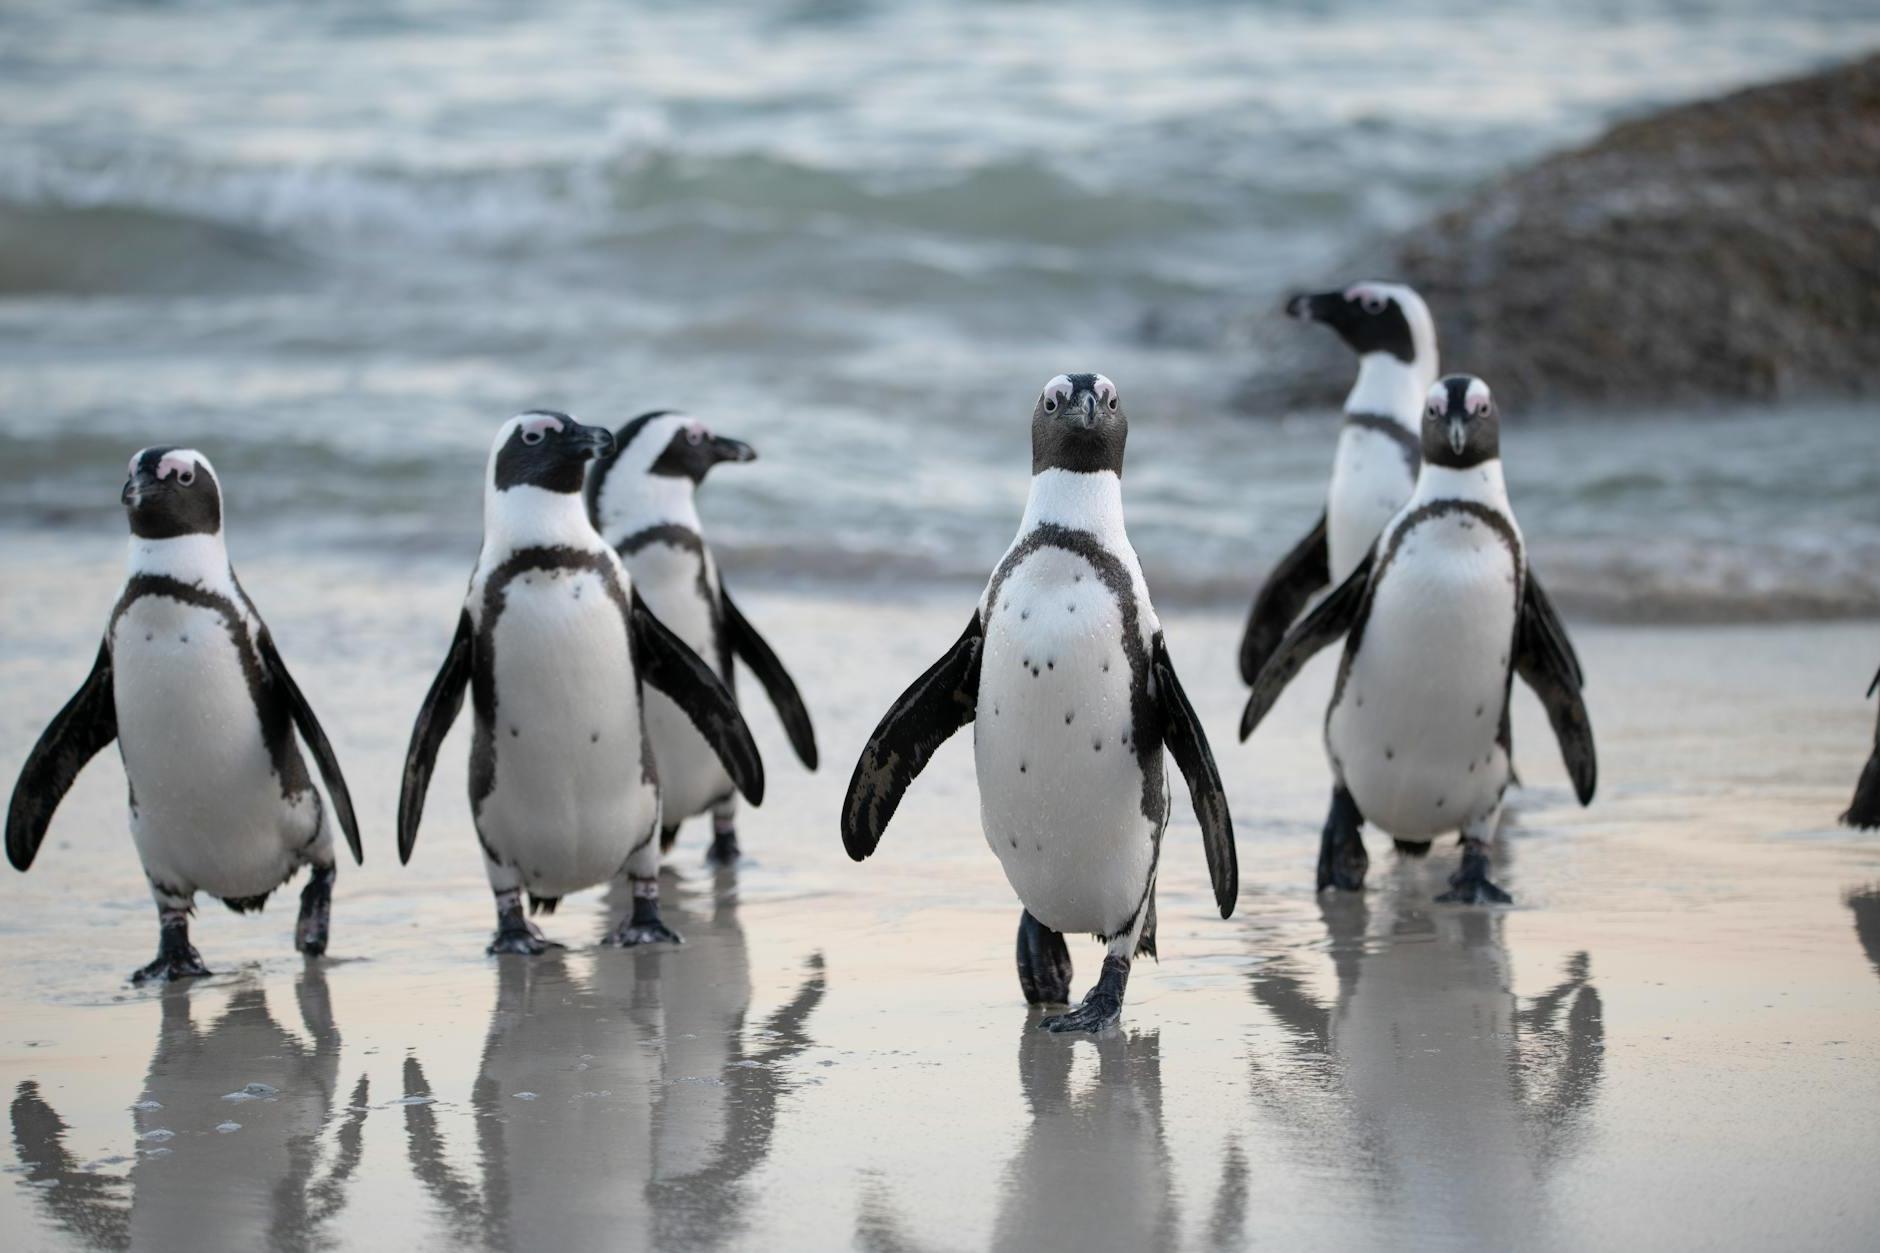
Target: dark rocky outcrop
{"x":1728,"y":249}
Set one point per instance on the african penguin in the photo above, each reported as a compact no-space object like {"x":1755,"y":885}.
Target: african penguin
{"x":557,"y":648}
{"x":640,"y":497}
{"x":1375,"y":465}
{"x":1864,"y":813}
{"x":1437,"y":619}
{"x":188,"y":682}
{"x":1066,"y":677}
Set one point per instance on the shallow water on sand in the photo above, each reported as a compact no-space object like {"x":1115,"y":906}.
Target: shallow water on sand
{"x":1672,"y":1040}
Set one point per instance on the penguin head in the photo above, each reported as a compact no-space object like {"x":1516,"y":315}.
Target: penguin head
{"x":1078,"y":424}
{"x":662,"y":451}
{"x":1461,"y":426}
{"x":1375,"y":317}
{"x":546,"y":450}
{"x":172,"y":492}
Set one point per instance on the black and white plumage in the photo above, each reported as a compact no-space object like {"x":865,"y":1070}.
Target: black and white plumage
{"x":1375,"y":466}
{"x":641,"y":498}
{"x":1065,"y":675}
{"x":557,"y":649}
{"x":1864,"y":813}
{"x":1436,"y":620}
{"x":189,"y":684}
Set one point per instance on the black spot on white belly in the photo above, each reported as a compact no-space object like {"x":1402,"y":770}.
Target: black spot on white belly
{"x":1390,"y":754}
{"x":1068,"y":717}
{"x":514,"y":732}
{"x":594,"y":737}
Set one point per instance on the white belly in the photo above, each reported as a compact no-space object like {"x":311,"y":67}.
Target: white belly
{"x":1060,"y":788}
{"x":691,"y":778}
{"x":568,"y":801}
{"x":207,"y":809}
{"x":1414,"y":732}
{"x":1370,"y":482}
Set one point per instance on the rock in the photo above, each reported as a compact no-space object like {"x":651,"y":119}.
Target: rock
{"x":1723,"y":250}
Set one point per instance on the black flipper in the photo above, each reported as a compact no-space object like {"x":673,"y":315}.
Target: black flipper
{"x":1298,"y":576}
{"x":1864,"y":813}
{"x":1545,"y":661}
{"x":665,"y":662}
{"x":764,"y":663}
{"x":1325,"y":625}
{"x":86,"y":724}
{"x":937,"y":704}
{"x":316,"y":741}
{"x":441,"y":705}
{"x":1182,"y":733}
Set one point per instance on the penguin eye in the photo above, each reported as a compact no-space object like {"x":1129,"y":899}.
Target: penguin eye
{"x":187,"y":478}
{"x":531,"y":437}
{"x":1112,"y":402}
{"x":1050,"y":404}
{"x":1372,"y":303}
{"x":694,"y":436}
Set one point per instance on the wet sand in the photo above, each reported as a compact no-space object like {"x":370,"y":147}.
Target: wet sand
{"x":1673,"y":1039}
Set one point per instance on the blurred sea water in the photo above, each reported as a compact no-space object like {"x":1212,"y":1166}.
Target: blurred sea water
{"x":333,"y":247}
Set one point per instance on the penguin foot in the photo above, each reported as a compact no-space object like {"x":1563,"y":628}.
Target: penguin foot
{"x":316,"y":912}
{"x":724,"y":851}
{"x":176,"y":959}
{"x":1470,"y":884}
{"x":524,"y":941}
{"x":1044,"y":963}
{"x":1102,"y":1006}
{"x":643,"y":926}
{"x":1342,"y":859}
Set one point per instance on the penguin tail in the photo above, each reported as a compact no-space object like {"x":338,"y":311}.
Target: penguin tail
{"x":1411,"y":848}
{"x":247,"y":904}
{"x":1864,"y":813}
{"x":543,"y":904}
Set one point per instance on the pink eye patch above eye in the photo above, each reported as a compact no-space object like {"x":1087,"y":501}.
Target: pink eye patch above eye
{"x":541,"y":423}
{"x":177,"y":465}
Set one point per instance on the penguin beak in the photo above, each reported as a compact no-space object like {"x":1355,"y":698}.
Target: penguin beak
{"x":1458,"y":434}
{"x":587,"y":442}
{"x":723,"y":449}
{"x":1315,"y":306}
{"x":140,"y":487}
{"x":1084,"y":415}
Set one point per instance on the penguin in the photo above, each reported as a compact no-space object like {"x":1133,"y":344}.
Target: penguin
{"x":1437,"y":619}
{"x":640,"y":497}
{"x":1379,"y":450}
{"x":1864,"y":813}
{"x":1064,"y":672}
{"x":189,"y":684}
{"x":557,"y":648}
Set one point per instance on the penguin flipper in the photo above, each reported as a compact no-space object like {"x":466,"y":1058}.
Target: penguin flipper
{"x":934,"y":706}
{"x":1546,"y":663}
{"x":316,"y":741}
{"x":666,"y":662}
{"x":765,"y":664}
{"x":1293,"y":582}
{"x":86,"y":724}
{"x":1864,"y":813}
{"x":1183,"y":734}
{"x":1335,"y":617}
{"x":440,"y":708}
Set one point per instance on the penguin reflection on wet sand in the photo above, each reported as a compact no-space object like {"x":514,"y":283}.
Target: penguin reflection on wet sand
{"x":1066,"y":677}
{"x":649,"y":1102}
{"x":1427,"y":1077}
{"x":557,"y":648}
{"x":1437,"y":620}
{"x":641,"y":498}
{"x":269,"y":1171}
{"x":189,"y":683}
{"x":1864,"y":813}
{"x":1374,"y":469}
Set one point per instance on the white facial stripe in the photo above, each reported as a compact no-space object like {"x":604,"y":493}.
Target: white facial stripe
{"x":177,"y":463}
{"x":1057,"y":391}
{"x":1105,"y":390}
{"x":536,"y":423}
{"x":1477,"y":398}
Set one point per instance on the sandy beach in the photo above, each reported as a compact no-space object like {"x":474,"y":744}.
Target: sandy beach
{"x":1672,"y":1039}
